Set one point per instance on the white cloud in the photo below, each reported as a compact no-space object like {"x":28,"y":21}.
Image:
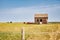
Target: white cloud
{"x":51,"y":10}
{"x":34,"y":9}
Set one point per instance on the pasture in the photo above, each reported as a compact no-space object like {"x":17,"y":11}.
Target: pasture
{"x":12,"y":31}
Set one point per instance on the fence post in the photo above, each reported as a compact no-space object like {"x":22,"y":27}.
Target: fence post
{"x":23,"y":33}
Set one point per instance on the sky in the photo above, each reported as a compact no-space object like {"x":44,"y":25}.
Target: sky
{"x":24,"y":10}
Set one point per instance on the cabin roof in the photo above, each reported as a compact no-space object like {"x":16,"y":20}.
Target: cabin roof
{"x":41,"y":15}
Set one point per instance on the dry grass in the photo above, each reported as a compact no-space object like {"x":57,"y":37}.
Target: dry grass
{"x":32,"y":31}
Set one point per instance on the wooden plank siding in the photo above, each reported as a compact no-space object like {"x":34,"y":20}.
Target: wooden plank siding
{"x":42,"y":18}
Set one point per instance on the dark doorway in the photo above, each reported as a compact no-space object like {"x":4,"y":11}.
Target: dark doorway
{"x":40,"y":20}
{"x":37,"y":20}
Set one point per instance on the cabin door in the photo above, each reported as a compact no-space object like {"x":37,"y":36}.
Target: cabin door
{"x":40,"y":21}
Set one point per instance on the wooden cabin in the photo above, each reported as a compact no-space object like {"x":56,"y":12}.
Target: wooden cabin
{"x":41,"y":18}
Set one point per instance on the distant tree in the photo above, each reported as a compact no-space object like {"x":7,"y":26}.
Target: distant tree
{"x":10,"y":21}
{"x":24,"y":22}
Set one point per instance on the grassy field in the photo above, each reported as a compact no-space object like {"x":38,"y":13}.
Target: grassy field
{"x":12,"y":31}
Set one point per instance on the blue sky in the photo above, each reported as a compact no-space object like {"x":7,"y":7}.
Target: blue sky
{"x":24,"y":10}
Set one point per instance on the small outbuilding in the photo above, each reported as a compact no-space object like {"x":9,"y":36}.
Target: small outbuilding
{"x":41,"y":18}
